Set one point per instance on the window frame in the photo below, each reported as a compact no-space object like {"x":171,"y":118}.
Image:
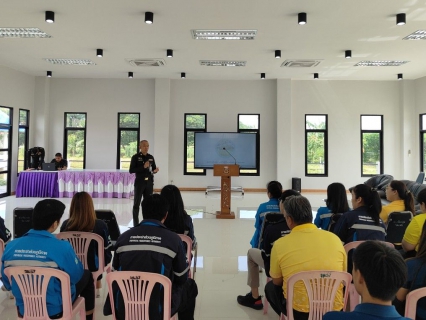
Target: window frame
{"x":380,"y":132}
{"x":66,"y":129}
{"x":422,"y":145}
{"x":185,"y":147}
{"x":257,"y":131}
{"x":325,"y":132}
{"x":9,"y":151}
{"x":26,"y":139}
{"x":119,"y":130}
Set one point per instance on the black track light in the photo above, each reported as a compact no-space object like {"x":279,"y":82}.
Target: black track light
{"x":316,"y":76}
{"x":169,"y":53}
{"x":183,"y":75}
{"x":400,"y":19}
{"x":262,"y":76}
{"x":50,"y":16}
{"x":49,"y":74}
{"x":278,"y":54}
{"x":302,"y":18}
{"x":149,"y":17}
{"x":400,"y":77}
{"x":99,"y":53}
{"x":130,"y":75}
{"x":348,"y":54}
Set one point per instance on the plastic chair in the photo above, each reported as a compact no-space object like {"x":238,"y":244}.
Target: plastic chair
{"x":1,"y":251}
{"x":136,"y":288}
{"x":411,"y":302}
{"x":188,"y":242}
{"x":33,"y":282}
{"x":265,"y":301}
{"x":321,"y":287}
{"x":80,"y":241}
{"x":397,"y":223}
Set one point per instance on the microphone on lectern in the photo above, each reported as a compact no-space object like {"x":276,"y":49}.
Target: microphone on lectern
{"x":230,"y":155}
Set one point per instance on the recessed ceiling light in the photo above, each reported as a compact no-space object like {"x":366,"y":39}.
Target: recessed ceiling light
{"x":222,"y":63}
{"x":130,"y":75}
{"x":23,"y":33}
{"x":169,"y":53}
{"x":99,"y":53}
{"x":301,"y":18}
{"x":400,"y":76}
{"x":400,"y":19}
{"x":49,"y":74}
{"x":183,"y":75}
{"x":79,"y":62}
{"x":417,"y":35}
{"x":149,"y":17}
{"x":277,"y":54}
{"x":316,"y":76}
{"x":262,"y":76}
{"x":223,"y":34}
{"x":49,"y":16}
{"x":380,"y":63}
{"x":348,"y":54}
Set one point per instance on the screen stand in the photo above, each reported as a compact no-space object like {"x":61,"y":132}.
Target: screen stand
{"x":225,"y":171}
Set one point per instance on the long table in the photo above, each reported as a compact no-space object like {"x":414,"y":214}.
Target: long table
{"x":64,"y":184}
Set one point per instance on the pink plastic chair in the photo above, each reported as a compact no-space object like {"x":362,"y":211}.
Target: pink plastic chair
{"x":321,"y":287}
{"x":33,"y":281}
{"x":188,"y":242}
{"x":1,"y":250}
{"x":265,"y":301}
{"x":136,"y":288}
{"x":80,"y":241}
{"x":411,"y":302}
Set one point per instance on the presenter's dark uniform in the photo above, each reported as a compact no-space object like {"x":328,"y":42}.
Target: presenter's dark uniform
{"x":144,"y":183}
{"x":60,"y":164}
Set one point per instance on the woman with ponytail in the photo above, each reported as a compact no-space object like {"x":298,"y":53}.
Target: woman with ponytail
{"x":363,"y":222}
{"x":400,"y":197}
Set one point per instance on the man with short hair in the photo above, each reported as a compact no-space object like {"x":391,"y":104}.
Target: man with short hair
{"x":151,"y":247}
{"x":378,"y":272}
{"x":60,"y":163}
{"x":40,"y":248}
{"x":306,"y":248}
{"x":143,"y":165}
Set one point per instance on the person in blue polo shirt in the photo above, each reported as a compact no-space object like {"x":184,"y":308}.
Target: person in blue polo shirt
{"x":40,"y":248}
{"x":378,"y":272}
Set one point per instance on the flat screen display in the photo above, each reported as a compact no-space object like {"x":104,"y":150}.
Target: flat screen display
{"x":212,"y":148}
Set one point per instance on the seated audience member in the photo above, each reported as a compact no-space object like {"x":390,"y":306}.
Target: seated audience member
{"x":5,"y":234}
{"x":337,"y":202}
{"x":57,"y":254}
{"x":416,"y":278}
{"x":83,"y":218}
{"x":165,"y":256}
{"x":60,"y":163}
{"x":177,"y":219}
{"x":412,"y":233}
{"x":378,"y":272}
{"x":363,"y":222}
{"x":273,"y":190}
{"x":261,"y":257}
{"x":305,"y":248}
{"x":400,"y":197}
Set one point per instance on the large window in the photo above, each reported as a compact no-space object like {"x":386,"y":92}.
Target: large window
{"x":194,"y":122}
{"x":75,"y":139}
{"x":250,"y":123}
{"x":316,"y":145}
{"x":371,"y":145}
{"x":5,"y":149}
{"x":127,"y":139}
{"x":423,"y":142}
{"x":23,"y":136}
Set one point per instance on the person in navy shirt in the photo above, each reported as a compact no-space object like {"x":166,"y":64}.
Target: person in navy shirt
{"x":378,"y":272}
{"x":40,"y":248}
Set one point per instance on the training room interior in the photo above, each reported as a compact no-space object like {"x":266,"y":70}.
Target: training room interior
{"x":342,"y":91}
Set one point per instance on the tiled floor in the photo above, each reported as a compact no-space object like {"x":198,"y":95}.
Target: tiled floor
{"x":223,"y":244}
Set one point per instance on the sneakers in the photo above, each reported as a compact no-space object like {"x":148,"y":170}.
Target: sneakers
{"x":249,"y":301}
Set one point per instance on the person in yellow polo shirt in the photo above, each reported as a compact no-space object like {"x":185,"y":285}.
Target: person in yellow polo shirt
{"x":305,"y":248}
{"x":400,"y":197}
{"x":412,"y":234}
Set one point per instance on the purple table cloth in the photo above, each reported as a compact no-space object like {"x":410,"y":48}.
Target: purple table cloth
{"x":40,"y":184}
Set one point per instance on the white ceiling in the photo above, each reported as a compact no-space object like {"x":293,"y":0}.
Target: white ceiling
{"x":367,"y":27}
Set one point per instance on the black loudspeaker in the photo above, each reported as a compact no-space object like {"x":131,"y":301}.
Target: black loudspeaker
{"x":22,"y":221}
{"x":296,"y":184}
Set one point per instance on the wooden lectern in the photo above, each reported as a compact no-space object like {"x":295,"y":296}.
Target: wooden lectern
{"x":225,"y":171}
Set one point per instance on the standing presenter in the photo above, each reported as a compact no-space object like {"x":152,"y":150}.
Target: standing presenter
{"x":143,"y":165}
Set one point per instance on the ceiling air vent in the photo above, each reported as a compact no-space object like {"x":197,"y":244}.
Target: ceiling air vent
{"x":300,"y":63}
{"x":147,"y":62}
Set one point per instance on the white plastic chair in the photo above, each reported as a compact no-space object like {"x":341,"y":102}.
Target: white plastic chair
{"x":80,"y":241}
{"x":321,"y":287}
{"x":411,"y":302}
{"x":188,"y":242}
{"x":136,"y":288}
{"x":33,"y":282}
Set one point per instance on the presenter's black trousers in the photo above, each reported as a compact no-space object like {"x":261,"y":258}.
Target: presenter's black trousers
{"x":142,"y":188}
